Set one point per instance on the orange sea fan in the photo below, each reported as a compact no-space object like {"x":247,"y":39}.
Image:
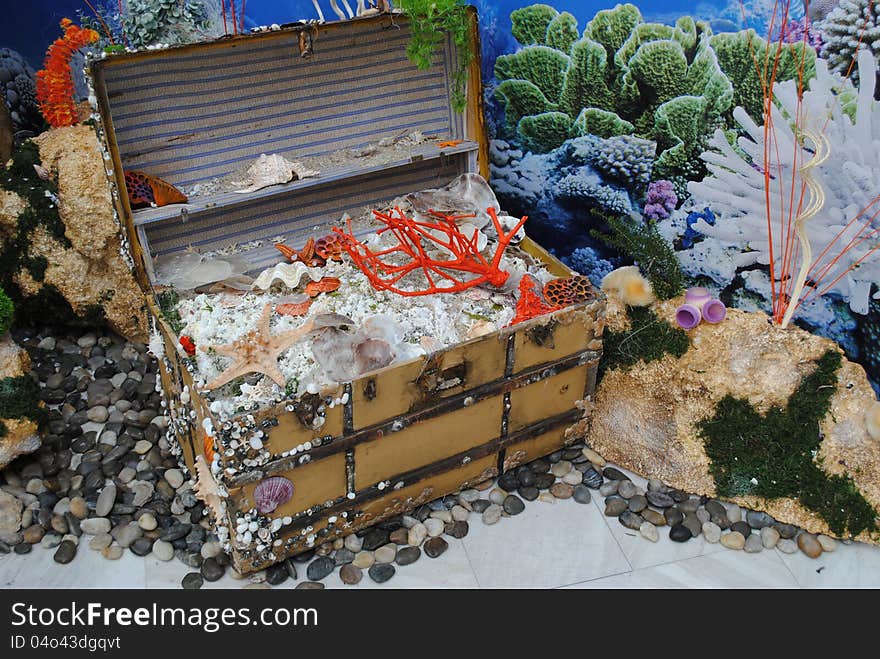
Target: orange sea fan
{"x":55,"y":81}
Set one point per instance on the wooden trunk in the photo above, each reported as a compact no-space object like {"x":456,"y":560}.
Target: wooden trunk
{"x":394,"y":438}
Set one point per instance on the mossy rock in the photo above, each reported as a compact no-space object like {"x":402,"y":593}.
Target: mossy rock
{"x":647,"y":339}
{"x":770,"y":454}
{"x":6,"y":312}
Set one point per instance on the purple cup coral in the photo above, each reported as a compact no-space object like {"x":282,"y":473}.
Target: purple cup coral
{"x":660,"y":201}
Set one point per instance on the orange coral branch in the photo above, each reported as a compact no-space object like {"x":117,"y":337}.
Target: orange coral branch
{"x":530,"y":303}
{"x":55,"y":81}
{"x":413,"y":238}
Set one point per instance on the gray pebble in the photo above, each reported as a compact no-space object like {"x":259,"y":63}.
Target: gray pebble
{"x":615,"y":506}
{"x":787,"y":546}
{"x":105,"y":500}
{"x":492,"y":514}
{"x":769,"y":537}
{"x":638,"y":503}
{"x":758,"y":520}
{"x":381,"y":572}
{"x":627,"y":489}
{"x":408,"y":555}
{"x":753,"y":544}
{"x":581,"y":494}
{"x":512,"y":505}
{"x":630,"y":520}
{"x":192,"y":581}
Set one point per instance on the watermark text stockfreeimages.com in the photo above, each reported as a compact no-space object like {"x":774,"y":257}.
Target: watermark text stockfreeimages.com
{"x":210,"y":619}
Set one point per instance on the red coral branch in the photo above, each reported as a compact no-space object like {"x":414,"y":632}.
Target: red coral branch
{"x":530,"y":303}
{"x":413,"y":238}
{"x":55,"y":81}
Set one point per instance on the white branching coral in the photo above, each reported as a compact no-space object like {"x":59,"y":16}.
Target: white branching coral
{"x":853,"y":24}
{"x":849,"y":177}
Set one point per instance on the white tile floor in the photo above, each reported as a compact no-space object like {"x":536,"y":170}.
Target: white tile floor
{"x":563,"y":544}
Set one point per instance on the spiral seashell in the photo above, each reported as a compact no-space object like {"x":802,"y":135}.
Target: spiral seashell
{"x":271,"y":493}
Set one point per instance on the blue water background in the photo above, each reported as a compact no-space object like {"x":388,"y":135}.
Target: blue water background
{"x":29,"y":27}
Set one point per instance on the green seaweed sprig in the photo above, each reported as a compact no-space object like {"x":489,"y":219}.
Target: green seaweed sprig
{"x":773,"y":455}
{"x":655,"y":256}
{"x":430,"y":22}
{"x":168,"y":301}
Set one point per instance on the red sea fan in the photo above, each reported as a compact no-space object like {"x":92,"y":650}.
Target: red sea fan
{"x":55,"y":81}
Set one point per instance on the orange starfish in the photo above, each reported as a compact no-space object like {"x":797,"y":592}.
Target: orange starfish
{"x":448,"y":144}
{"x":257,"y":351}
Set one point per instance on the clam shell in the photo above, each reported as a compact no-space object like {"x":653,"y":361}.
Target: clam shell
{"x":289,"y":274}
{"x":271,"y":493}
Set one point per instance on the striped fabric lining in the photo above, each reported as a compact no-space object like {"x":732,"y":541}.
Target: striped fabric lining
{"x":211,"y":127}
{"x":297,"y":215}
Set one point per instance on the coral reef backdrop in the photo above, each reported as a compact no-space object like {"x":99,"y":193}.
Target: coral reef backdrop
{"x":576,"y":100}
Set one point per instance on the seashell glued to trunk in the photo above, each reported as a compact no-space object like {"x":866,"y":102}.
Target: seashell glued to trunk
{"x":271,"y":493}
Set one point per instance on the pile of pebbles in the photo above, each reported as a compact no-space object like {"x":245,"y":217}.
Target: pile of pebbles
{"x":106,"y":477}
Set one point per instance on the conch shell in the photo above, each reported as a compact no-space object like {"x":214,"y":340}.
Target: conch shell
{"x":274,"y":169}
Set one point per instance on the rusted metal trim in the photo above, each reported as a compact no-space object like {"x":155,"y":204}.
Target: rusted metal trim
{"x":510,"y":355}
{"x":434,"y":469}
{"x":505,"y":424}
{"x":349,"y":470}
{"x":348,"y":410}
{"x":380,"y":430}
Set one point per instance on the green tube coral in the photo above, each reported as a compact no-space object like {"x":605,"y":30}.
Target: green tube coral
{"x":530,"y":23}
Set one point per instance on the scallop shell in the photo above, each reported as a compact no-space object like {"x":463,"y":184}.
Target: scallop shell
{"x":271,"y":493}
{"x":274,"y":169}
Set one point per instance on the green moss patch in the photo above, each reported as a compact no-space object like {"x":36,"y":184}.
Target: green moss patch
{"x":168,"y":301}
{"x":772,"y":455}
{"x":19,"y":398}
{"x":648,"y":339}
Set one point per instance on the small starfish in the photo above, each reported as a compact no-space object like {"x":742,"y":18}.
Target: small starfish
{"x":257,"y":351}
{"x":448,"y":144}
{"x":307,"y":254}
